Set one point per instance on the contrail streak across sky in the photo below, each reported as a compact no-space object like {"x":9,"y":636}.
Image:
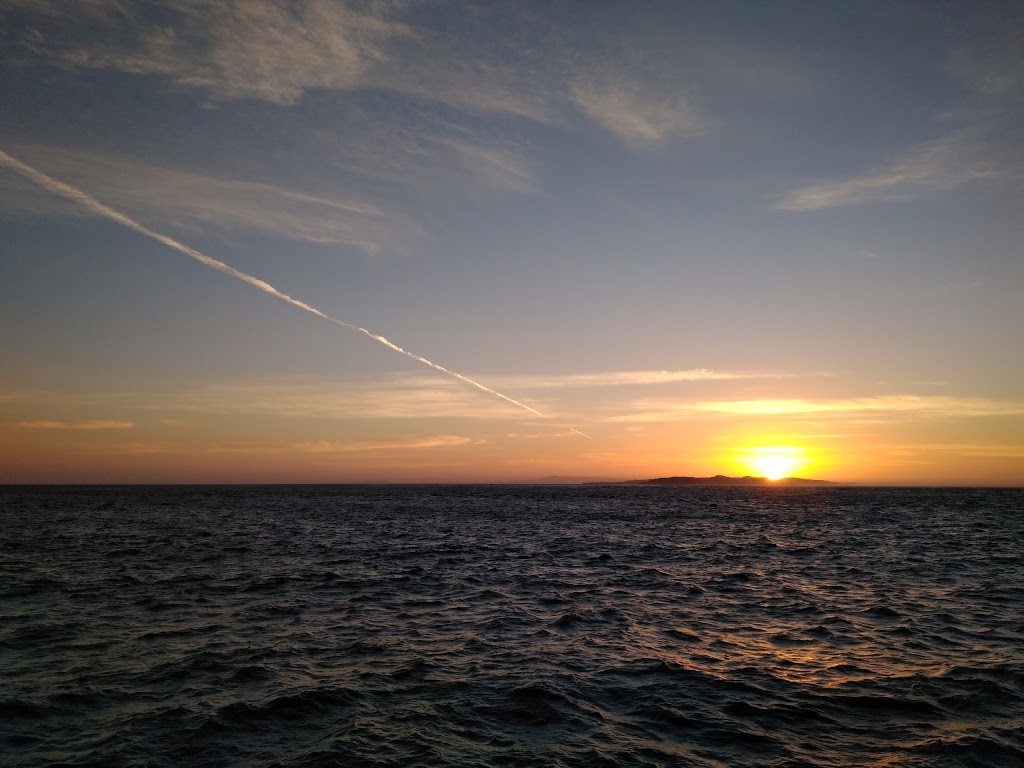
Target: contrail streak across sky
{"x":92,"y":204}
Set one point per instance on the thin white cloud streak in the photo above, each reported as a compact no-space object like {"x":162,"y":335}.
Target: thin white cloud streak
{"x":931,"y":406}
{"x":959,"y":406}
{"x":278,"y":51}
{"x":633,"y":378}
{"x":427,"y":160}
{"x":635,"y":114}
{"x":499,"y":168}
{"x":538,"y":435}
{"x":316,"y":447}
{"x":315,"y":44}
{"x":273,"y":51}
{"x":188,"y":199}
{"x":973,"y":450}
{"x":409,"y":397}
{"x":90,"y":203}
{"x":86,"y":425}
{"x":322,"y":401}
{"x":329,"y":446}
{"x":944,"y":164}
{"x":983,"y":148}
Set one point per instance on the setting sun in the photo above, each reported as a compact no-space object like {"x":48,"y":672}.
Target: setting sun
{"x":774,"y":462}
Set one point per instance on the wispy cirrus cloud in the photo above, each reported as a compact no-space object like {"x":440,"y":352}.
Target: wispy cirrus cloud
{"x":893,"y":406}
{"x":297,"y":398}
{"x":83,"y":425}
{"x":940,"y":165}
{"x":981,"y":147}
{"x":234,"y":49}
{"x":540,"y":435}
{"x":279,"y":51}
{"x":316,"y":447}
{"x":499,"y":167}
{"x":403,"y":398}
{"x":632,"y":378}
{"x":636,"y":113}
{"x":332,"y":446}
{"x":974,"y":450}
{"x":191,"y":199}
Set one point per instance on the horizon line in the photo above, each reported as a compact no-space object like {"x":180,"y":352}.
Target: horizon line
{"x":538,"y":482}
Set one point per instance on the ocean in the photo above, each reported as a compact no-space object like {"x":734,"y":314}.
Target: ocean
{"x":490,"y":626}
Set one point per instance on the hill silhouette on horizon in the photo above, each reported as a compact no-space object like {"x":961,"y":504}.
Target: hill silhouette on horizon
{"x":721,"y":480}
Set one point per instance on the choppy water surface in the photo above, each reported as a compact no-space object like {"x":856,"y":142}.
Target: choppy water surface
{"x":511,"y":626}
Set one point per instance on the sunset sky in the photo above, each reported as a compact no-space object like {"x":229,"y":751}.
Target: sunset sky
{"x":712,"y":237}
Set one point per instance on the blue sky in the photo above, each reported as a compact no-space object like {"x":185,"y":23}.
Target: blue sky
{"x":688,"y":230}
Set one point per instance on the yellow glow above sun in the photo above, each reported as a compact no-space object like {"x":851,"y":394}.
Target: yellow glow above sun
{"x":774,"y":462}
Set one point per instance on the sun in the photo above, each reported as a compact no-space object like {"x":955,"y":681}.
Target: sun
{"x":774,"y":462}
{"x":774,"y":467}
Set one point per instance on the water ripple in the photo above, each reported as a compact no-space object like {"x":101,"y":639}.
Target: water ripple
{"x":511,"y":626}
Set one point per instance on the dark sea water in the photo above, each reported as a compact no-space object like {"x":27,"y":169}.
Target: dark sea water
{"x":511,"y":626}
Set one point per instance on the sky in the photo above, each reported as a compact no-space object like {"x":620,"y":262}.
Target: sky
{"x":335,"y":241}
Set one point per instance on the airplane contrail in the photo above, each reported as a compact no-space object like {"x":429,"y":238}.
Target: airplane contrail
{"x":90,"y":203}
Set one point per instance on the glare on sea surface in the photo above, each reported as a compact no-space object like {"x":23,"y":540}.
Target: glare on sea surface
{"x":774,"y":462}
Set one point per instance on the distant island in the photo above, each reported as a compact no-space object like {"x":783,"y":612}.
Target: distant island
{"x":719,"y":480}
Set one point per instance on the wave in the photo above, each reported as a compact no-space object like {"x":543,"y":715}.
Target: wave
{"x":497,"y":626}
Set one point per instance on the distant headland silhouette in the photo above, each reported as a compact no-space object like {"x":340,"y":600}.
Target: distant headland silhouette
{"x":719,"y":480}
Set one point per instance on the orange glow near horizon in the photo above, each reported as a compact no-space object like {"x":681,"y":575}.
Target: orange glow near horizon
{"x":773,"y":462}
